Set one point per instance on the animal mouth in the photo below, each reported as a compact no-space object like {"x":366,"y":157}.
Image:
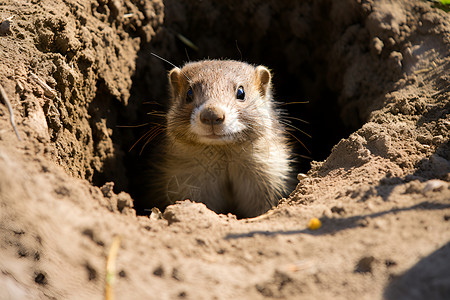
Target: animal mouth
{"x":213,"y":137}
{"x":214,"y":133}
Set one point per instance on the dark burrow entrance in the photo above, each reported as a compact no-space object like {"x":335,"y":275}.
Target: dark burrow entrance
{"x":319,"y":52}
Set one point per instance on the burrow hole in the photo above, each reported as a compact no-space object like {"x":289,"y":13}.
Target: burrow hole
{"x":306,"y":46}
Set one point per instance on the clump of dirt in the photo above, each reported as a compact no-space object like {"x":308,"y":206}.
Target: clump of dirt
{"x":375,"y":74}
{"x":86,"y":53}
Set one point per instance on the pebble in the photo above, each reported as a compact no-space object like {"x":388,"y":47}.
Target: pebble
{"x":301,"y":176}
{"x":365,"y":264}
{"x":5,"y":26}
{"x":434,"y":185}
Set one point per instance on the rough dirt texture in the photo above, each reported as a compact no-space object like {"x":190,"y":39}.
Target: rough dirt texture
{"x":377,"y":77}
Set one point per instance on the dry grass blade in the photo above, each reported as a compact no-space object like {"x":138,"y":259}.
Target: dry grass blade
{"x":11,"y":114}
{"x":261,"y":217}
{"x":187,"y":41}
{"x":48,"y":91}
{"x":111,"y":268}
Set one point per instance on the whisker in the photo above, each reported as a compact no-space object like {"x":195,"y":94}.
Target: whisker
{"x":171,"y":65}
{"x":145,"y":135}
{"x":304,"y":156}
{"x":292,"y":126}
{"x":157,"y":132}
{"x":152,"y":102}
{"x":156,"y":115}
{"x":250,"y":110}
{"x":294,"y":118}
{"x":299,"y":141}
{"x":288,"y":103}
{"x":132,"y":126}
{"x":135,"y":143}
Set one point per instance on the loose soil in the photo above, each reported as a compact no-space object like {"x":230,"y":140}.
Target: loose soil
{"x":375,"y":74}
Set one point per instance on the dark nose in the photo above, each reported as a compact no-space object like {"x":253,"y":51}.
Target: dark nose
{"x":212,"y":116}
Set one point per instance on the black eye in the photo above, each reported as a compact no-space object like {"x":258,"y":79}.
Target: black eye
{"x":189,"y":95}
{"x":240,"y":95}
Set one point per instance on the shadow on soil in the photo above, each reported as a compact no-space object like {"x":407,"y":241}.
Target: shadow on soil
{"x":428,"y":279}
{"x":333,"y":225}
{"x":436,"y":166}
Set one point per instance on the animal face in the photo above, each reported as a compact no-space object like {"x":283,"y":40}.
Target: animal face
{"x":219,"y":102}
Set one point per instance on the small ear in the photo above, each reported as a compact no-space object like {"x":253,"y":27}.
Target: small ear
{"x":176,"y":81}
{"x":263,"y":78}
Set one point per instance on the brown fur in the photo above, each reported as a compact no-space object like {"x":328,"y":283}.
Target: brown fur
{"x":239,"y":162}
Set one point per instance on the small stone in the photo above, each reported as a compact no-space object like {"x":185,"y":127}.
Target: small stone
{"x":5,"y":26}
{"x":338,"y":209}
{"x":434,"y":185}
{"x":107,"y":189}
{"x":363,"y":222}
{"x":390,"y":263}
{"x":155,"y":214}
{"x":124,"y":201}
{"x":397,"y":58}
{"x":301,"y":176}
{"x":159,"y":271}
{"x":40,"y":278}
{"x":200,"y":242}
{"x":177,"y":275}
{"x":365,"y":264}
{"x":377,"y":45}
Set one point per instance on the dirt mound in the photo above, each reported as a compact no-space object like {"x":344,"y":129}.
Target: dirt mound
{"x":78,"y":74}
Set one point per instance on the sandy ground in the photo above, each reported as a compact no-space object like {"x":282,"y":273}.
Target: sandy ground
{"x":382,"y":193}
